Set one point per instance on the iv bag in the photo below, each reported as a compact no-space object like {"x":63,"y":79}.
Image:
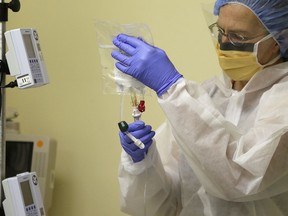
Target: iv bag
{"x":115,"y":81}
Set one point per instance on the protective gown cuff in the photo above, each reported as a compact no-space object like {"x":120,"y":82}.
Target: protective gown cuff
{"x":139,"y":167}
{"x":164,"y":88}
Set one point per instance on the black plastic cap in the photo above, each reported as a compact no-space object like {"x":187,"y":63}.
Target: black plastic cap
{"x":123,"y":126}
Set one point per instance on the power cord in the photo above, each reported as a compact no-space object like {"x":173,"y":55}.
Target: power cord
{"x":12,"y":84}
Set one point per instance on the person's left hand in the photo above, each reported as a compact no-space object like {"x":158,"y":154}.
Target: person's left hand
{"x":140,"y":131}
{"x":146,"y":63}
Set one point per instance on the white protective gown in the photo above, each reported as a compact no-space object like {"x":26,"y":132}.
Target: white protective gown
{"x":221,"y":152}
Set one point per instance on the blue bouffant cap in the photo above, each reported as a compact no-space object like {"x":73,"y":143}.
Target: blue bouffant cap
{"x":272,"y":13}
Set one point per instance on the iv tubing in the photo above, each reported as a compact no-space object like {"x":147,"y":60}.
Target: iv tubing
{"x":122,"y":106}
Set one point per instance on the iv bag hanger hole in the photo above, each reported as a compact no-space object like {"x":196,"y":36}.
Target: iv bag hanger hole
{"x":14,"y":5}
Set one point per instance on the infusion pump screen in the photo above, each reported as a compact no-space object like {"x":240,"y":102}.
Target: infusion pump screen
{"x":26,"y":192}
{"x":29,"y":46}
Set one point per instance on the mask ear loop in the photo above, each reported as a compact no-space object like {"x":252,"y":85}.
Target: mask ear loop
{"x":256,"y":45}
{"x":255,"y":52}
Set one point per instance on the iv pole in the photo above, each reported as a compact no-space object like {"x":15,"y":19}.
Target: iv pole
{"x":14,"y":5}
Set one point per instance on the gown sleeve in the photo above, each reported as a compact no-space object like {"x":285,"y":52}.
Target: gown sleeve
{"x":151,"y":186}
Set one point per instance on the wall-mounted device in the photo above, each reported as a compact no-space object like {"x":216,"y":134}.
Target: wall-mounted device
{"x":32,"y":153}
{"x":23,"y":197}
{"x":25,"y":59}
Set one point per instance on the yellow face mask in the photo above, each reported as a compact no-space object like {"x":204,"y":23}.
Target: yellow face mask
{"x":238,"y":65}
{"x":241,"y":65}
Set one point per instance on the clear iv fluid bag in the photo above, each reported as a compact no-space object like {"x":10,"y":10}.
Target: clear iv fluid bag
{"x":114,"y":81}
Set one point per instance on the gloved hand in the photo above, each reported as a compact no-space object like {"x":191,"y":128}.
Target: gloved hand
{"x":140,"y":131}
{"x":148,"y":64}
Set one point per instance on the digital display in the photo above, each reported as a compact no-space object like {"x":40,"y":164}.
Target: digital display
{"x":18,"y":157}
{"x":29,"y":46}
{"x":26,"y":192}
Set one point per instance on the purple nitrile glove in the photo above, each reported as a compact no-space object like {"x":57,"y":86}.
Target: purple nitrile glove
{"x":140,"y":131}
{"x":146,"y":63}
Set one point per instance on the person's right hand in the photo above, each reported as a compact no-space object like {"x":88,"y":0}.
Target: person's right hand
{"x":140,"y":131}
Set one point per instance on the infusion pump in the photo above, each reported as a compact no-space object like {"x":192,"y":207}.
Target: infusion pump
{"x":25,"y":59}
{"x":23,"y":197}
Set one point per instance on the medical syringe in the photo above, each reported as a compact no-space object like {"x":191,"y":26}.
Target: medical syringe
{"x":123,"y":126}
